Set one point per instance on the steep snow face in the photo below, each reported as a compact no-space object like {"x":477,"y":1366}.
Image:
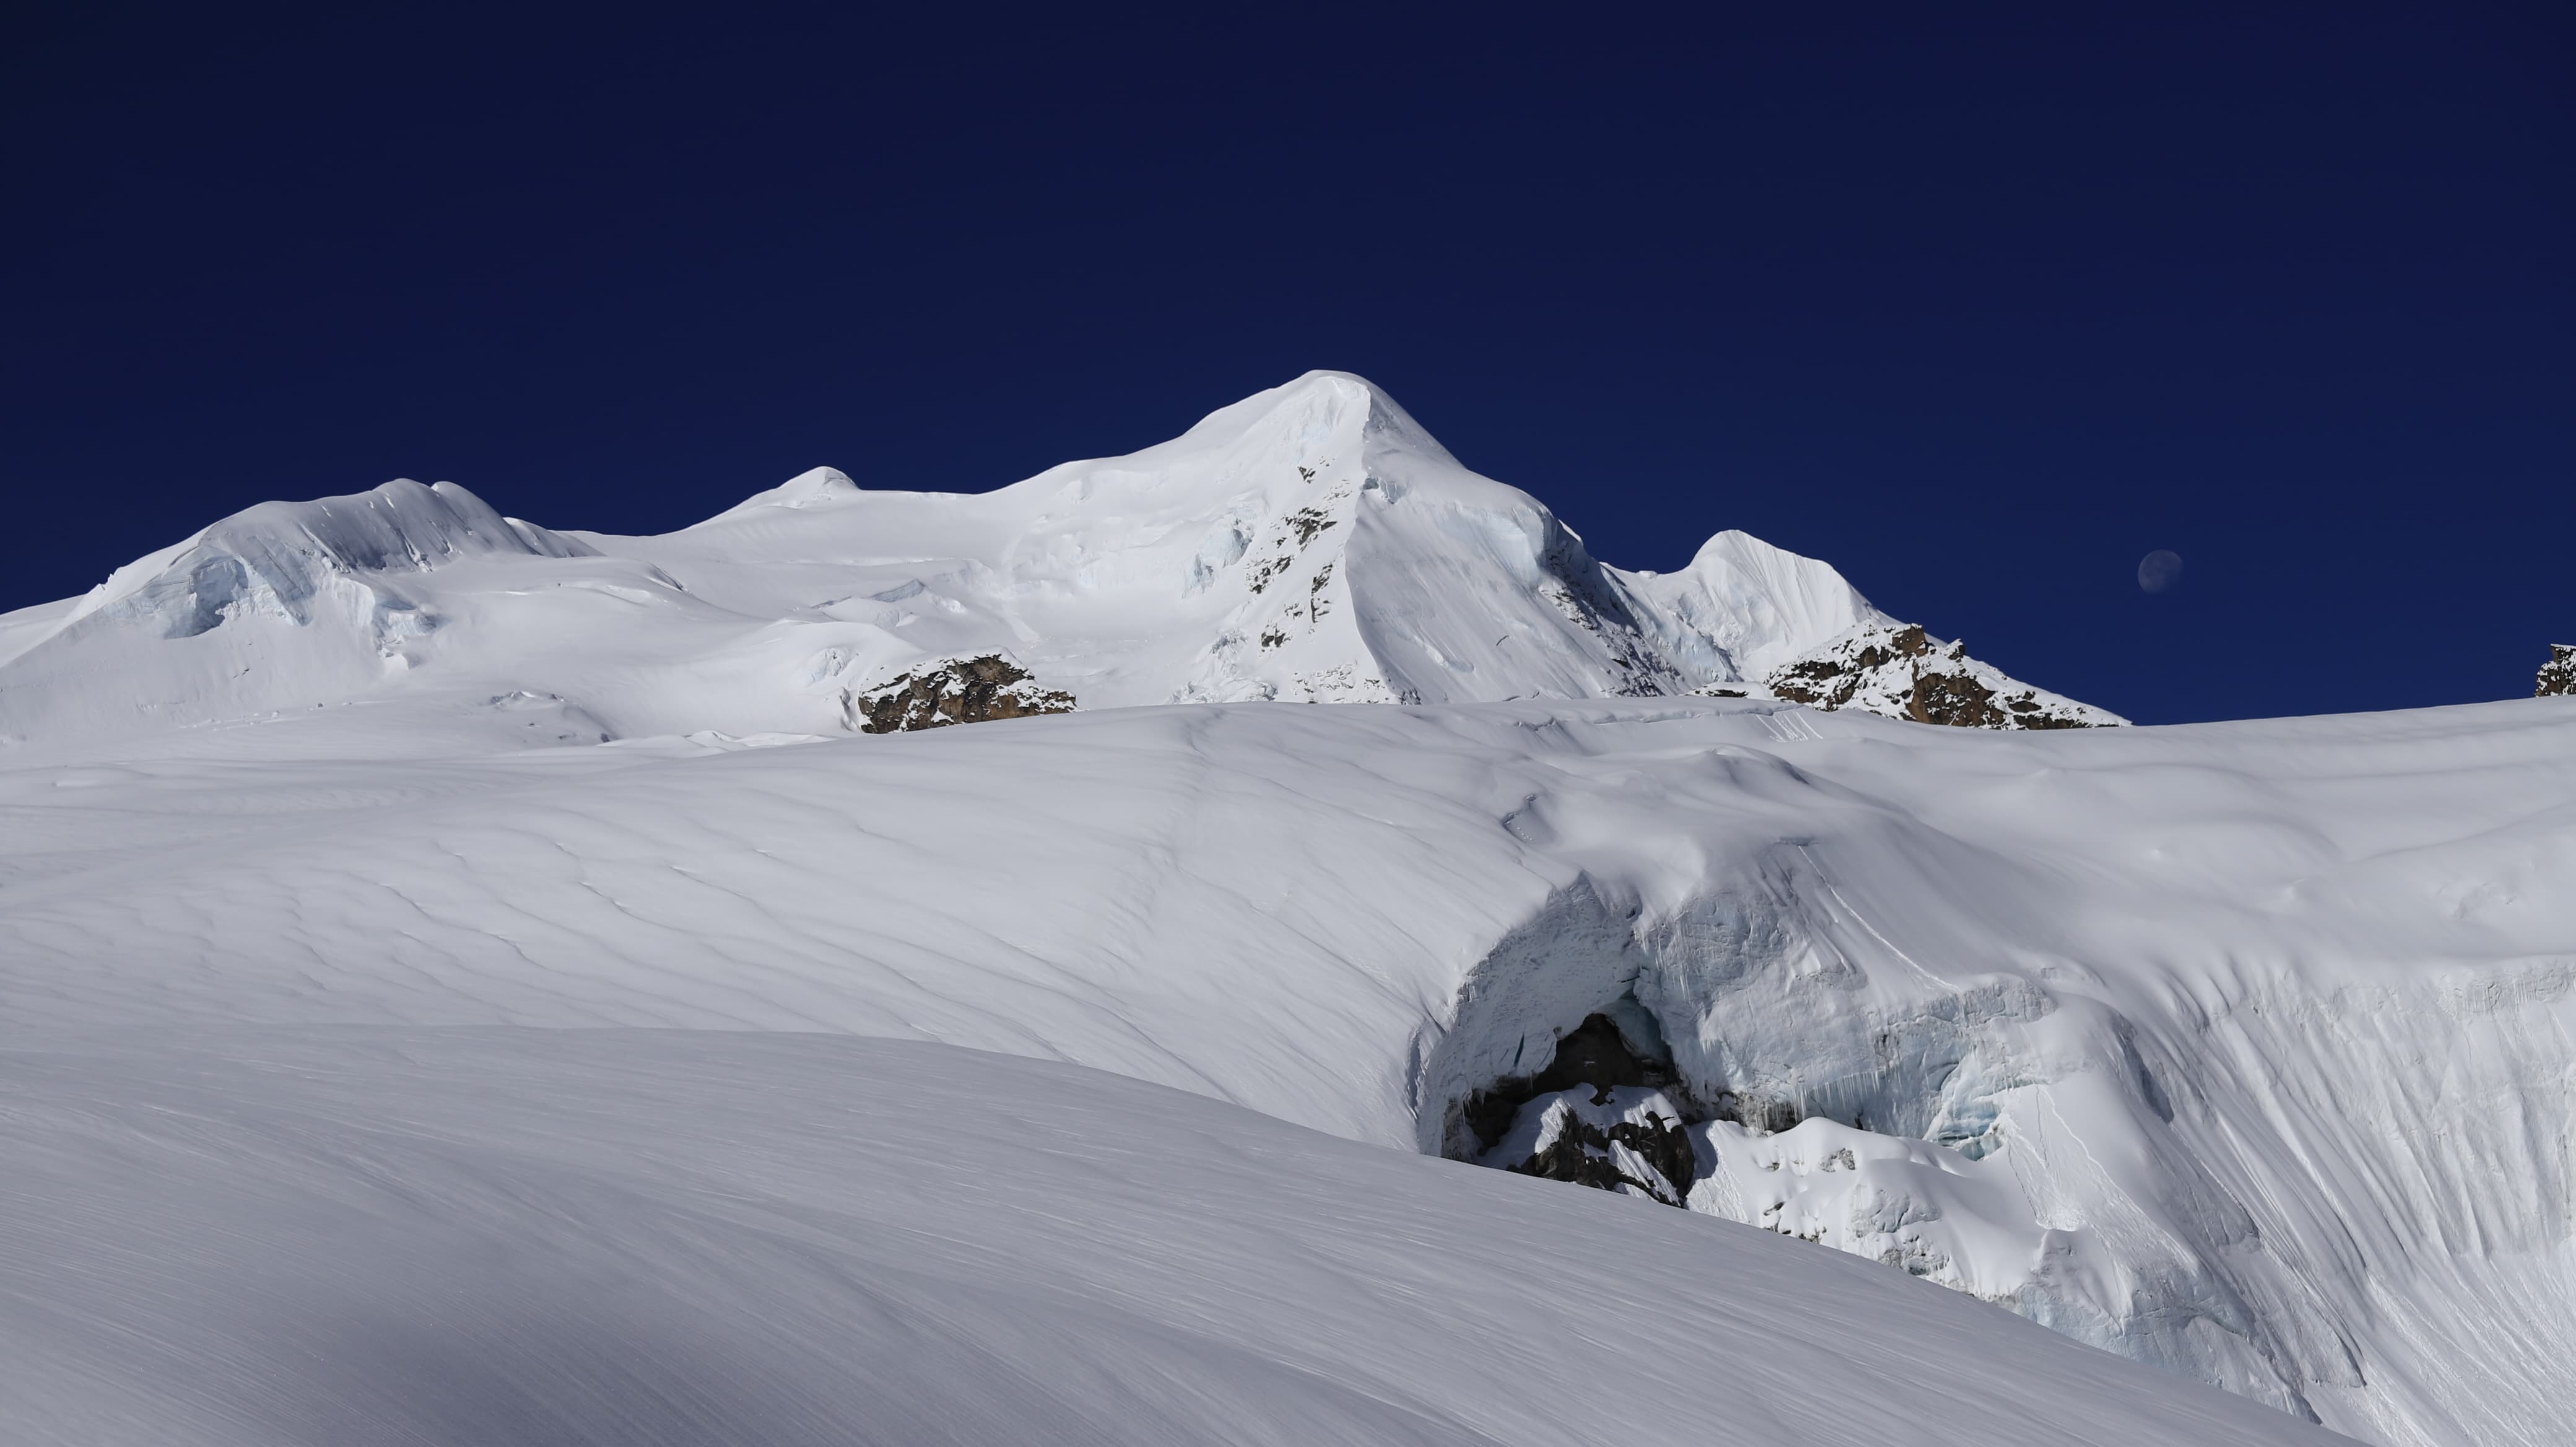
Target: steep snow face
{"x":1203,"y":568}
{"x":1309,"y":544}
{"x":2242,"y":1050}
{"x":668,"y":1239}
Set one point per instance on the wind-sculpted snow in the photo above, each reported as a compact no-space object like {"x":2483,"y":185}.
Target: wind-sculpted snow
{"x":1308,"y":544}
{"x":504,"y":1239}
{"x":2239,"y":1049}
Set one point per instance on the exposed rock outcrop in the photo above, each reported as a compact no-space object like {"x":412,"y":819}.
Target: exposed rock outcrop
{"x":1607,"y":1113}
{"x":952,"y":691}
{"x":1902,"y":672}
{"x":2558,"y":675}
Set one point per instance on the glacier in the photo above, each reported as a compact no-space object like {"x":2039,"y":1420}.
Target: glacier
{"x":2238,"y":1050}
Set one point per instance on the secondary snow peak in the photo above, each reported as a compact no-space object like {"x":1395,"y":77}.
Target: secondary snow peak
{"x":277,"y":554}
{"x":1762,"y":606}
{"x":814,"y":487}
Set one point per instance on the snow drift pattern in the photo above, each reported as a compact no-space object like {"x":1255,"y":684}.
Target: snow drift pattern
{"x":2241,"y":1049}
{"x":346,"y":1238}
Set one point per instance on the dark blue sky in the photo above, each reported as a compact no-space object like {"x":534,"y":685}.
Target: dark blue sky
{"x":1979,"y":309}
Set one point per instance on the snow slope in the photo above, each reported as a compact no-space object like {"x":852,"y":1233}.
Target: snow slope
{"x":1311,"y":543}
{"x":2242,"y":1049}
{"x":499,"y":1238}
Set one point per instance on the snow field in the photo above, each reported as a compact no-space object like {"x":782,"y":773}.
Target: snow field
{"x":506,"y":1238}
{"x":2240,"y":1050}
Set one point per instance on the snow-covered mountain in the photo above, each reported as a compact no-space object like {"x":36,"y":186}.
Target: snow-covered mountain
{"x":2245,"y":1051}
{"x":1308,"y":544}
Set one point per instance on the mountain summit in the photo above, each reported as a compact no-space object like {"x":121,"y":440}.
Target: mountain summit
{"x":1312,"y":543}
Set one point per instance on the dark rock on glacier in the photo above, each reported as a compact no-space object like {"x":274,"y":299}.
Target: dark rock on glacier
{"x":955,"y":691}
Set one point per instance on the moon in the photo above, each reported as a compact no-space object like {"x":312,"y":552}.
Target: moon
{"x":2160,"y":570}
